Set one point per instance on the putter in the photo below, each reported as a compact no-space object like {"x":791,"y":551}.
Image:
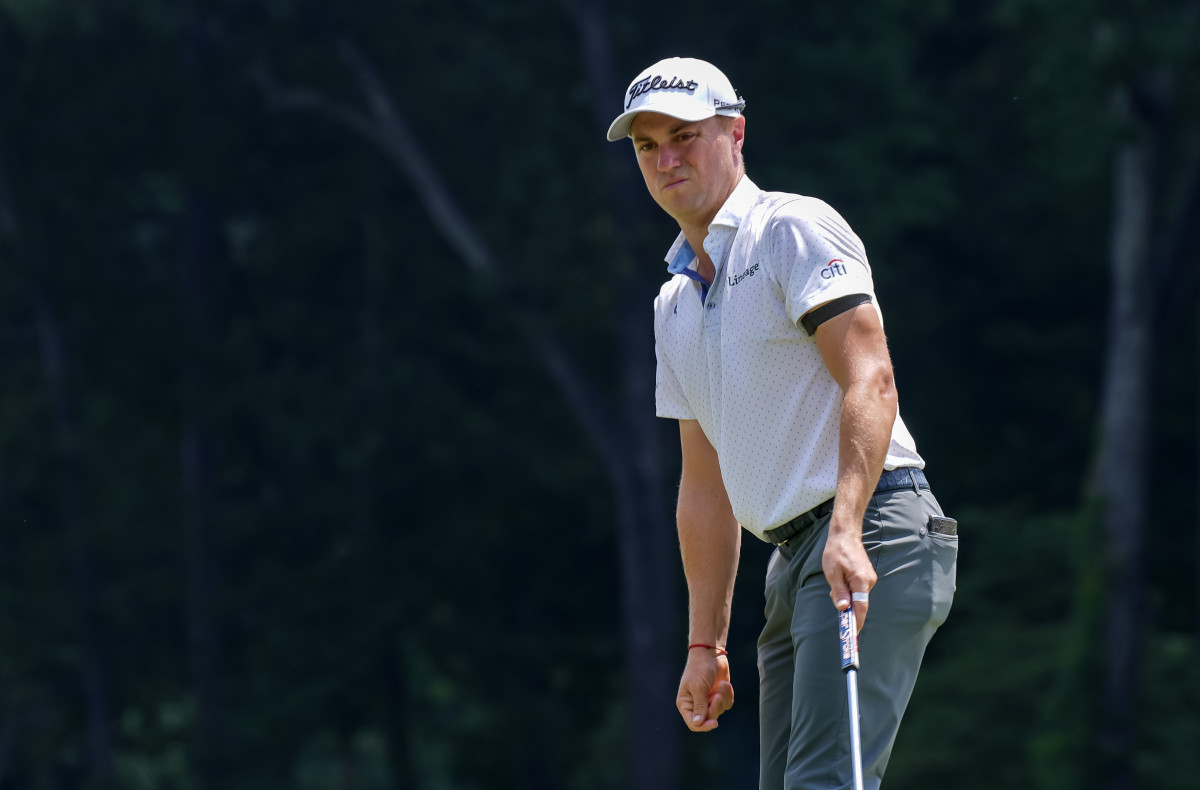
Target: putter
{"x":848,"y":632}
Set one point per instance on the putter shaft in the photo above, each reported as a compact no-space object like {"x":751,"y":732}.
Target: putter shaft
{"x":848,"y":632}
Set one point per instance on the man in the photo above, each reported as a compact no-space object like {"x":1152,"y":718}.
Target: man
{"x":772,"y":357}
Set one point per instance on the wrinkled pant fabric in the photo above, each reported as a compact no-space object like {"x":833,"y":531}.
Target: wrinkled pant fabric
{"x":803,"y":710}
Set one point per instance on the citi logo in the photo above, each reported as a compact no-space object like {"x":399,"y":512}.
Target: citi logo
{"x":833,"y":269}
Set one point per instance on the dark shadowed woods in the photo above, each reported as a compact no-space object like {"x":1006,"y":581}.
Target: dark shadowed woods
{"x":327,"y":448}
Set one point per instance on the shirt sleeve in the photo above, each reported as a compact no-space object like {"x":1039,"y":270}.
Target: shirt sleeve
{"x":815,"y":257}
{"x":669,"y":400}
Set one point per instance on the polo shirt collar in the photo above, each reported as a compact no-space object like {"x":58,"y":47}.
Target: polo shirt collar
{"x":736,"y":208}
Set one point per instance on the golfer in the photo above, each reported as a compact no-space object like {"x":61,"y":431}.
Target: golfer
{"x":772,"y":357}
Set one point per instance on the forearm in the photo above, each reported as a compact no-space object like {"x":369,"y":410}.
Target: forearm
{"x":868,"y":414}
{"x":710,"y":543}
{"x":854,"y":349}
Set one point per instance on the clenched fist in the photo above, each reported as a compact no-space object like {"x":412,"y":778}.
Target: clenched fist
{"x":704,"y":690}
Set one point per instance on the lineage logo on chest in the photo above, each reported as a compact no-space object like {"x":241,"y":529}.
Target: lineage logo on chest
{"x":737,"y":278}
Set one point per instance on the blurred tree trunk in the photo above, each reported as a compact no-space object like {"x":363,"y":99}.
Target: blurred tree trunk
{"x":94,"y":676}
{"x":1123,"y":462}
{"x":196,"y":471}
{"x":8,"y":232}
{"x":370,"y":428}
{"x":624,"y":436}
{"x":93,"y":672}
{"x":195,"y":260}
{"x":649,"y":548}
{"x":1125,"y":418}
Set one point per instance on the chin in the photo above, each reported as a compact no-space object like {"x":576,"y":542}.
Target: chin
{"x":680,"y":204}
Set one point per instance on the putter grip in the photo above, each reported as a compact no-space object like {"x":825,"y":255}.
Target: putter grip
{"x":848,"y":633}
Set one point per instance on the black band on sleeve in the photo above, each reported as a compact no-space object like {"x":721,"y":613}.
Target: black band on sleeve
{"x":819,"y":315}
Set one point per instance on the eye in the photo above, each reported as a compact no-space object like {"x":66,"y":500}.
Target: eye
{"x":685,"y":137}
{"x":644,"y":147}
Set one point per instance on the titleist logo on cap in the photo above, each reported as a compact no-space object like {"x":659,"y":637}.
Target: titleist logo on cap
{"x":657,"y":83}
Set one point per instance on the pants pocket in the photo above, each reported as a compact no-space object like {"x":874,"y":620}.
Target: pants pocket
{"x":943,"y":574}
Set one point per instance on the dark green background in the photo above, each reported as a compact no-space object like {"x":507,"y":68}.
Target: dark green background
{"x":288,"y":498}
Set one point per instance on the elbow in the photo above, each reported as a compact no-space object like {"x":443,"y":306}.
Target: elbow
{"x":876,"y":391}
{"x":886,"y":394}
{"x":885,"y":385}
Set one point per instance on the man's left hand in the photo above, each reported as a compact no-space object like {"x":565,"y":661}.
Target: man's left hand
{"x":848,"y":570}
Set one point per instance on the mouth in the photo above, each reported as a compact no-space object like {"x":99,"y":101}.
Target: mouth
{"x":673,"y":183}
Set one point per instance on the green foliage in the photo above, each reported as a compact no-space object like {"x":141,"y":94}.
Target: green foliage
{"x":988,"y":697}
{"x":417,"y":576}
{"x":1167,"y":755}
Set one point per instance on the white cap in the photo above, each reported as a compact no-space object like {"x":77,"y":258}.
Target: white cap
{"x":684,"y":88}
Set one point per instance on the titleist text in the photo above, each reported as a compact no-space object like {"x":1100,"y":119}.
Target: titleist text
{"x":657,"y":83}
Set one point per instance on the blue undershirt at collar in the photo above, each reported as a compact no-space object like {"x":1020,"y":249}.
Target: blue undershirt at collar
{"x":681,"y":264}
{"x":736,"y":207}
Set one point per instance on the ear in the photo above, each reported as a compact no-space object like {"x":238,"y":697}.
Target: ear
{"x":738,"y":130}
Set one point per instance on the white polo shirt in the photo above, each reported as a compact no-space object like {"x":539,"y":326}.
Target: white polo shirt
{"x":734,"y":357}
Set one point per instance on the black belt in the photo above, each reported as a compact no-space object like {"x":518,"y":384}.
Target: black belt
{"x":891,"y":480}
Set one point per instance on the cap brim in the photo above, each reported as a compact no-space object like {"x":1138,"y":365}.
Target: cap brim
{"x":619,"y":129}
{"x":684,"y":109}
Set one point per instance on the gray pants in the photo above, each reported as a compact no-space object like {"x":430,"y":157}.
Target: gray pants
{"x":803,"y":722}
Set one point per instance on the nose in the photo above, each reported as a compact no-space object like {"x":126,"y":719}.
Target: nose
{"x":668,"y":158}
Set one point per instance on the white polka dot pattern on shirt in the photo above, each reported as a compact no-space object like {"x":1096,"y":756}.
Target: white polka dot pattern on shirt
{"x":739,"y":363}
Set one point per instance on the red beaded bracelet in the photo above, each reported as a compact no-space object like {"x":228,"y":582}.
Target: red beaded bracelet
{"x":720,"y":650}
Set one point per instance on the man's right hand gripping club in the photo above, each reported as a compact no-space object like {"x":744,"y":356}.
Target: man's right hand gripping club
{"x":704,"y":690}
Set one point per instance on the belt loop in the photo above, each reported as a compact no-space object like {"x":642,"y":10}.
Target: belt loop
{"x":913,"y":477}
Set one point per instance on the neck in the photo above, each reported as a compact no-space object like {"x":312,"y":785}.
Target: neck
{"x":697,"y":231}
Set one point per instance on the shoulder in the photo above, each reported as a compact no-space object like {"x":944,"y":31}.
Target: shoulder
{"x":783,"y":209}
{"x":785,"y":217}
{"x":672,"y":287}
{"x":668,"y":295}
{"x":798,"y":224}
